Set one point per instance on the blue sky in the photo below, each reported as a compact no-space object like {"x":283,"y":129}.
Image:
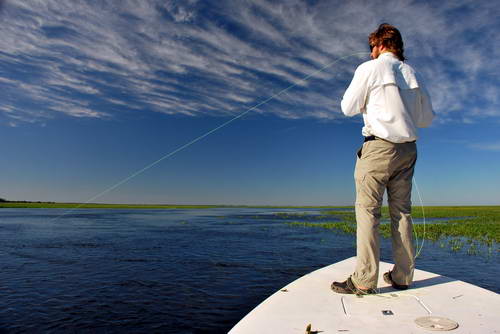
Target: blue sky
{"x":93,"y":91}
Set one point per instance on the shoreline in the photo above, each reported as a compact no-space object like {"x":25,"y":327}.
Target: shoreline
{"x":63,"y":205}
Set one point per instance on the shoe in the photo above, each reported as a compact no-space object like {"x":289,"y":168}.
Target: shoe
{"x":388,"y":280}
{"x":348,"y":287}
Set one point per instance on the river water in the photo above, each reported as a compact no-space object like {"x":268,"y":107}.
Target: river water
{"x":171,"y":271}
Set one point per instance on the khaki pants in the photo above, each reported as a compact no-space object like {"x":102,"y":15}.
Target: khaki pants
{"x":380,"y":165}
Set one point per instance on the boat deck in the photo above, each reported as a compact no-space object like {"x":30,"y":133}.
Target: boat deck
{"x":309,"y":300}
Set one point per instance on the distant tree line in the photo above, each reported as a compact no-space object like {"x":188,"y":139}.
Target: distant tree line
{"x":3,"y":200}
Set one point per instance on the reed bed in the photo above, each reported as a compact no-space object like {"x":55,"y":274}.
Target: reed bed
{"x":471,"y":227}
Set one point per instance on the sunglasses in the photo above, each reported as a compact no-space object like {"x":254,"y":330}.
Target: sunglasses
{"x":371,"y":47}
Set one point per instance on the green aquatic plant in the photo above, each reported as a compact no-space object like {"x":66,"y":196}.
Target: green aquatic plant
{"x":478,"y":225}
{"x":346,"y":227}
{"x":455,"y":244}
{"x":473,"y":248}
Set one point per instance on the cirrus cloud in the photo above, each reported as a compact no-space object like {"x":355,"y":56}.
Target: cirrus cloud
{"x":100,"y":59}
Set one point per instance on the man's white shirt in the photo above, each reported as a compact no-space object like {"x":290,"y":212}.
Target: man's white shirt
{"x":391,"y":99}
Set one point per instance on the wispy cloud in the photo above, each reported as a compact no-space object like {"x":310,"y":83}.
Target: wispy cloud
{"x":485,"y":146}
{"x":97,"y":59}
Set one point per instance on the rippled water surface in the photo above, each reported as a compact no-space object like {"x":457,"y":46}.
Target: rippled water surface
{"x":171,"y":271}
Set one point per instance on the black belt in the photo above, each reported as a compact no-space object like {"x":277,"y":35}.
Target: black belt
{"x":370,"y":138}
{"x":374,"y":137}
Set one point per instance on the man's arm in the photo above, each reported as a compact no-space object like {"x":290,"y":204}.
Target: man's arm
{"x":426,"y":114}
{"x":354,"y":99}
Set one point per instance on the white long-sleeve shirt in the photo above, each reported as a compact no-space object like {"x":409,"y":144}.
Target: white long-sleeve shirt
{"x":391,"y":99}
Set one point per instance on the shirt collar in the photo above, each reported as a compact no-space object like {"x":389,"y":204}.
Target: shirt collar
{"x":388,"y":54}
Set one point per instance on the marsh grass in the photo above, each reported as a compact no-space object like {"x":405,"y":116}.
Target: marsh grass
{"x":469,"y":228}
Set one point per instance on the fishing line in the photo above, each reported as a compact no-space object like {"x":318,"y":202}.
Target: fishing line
{"x":419,"y":250}
{"x":168,"y":155}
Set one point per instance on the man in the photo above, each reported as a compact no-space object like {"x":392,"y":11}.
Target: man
{"x":385,"y":90}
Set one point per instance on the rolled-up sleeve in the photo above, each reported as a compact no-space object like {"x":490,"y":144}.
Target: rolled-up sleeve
{"x":354,"y":100}
{"x":426,"y":112}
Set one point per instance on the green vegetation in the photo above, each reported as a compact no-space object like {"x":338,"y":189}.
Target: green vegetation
{"x":470,"y":226}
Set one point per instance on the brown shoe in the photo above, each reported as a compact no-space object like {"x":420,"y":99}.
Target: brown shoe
{"x":388,"y":280}
{"x":348,"y":287}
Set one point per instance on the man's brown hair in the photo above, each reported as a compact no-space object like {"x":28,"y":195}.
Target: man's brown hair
{"x":390,"y":37}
